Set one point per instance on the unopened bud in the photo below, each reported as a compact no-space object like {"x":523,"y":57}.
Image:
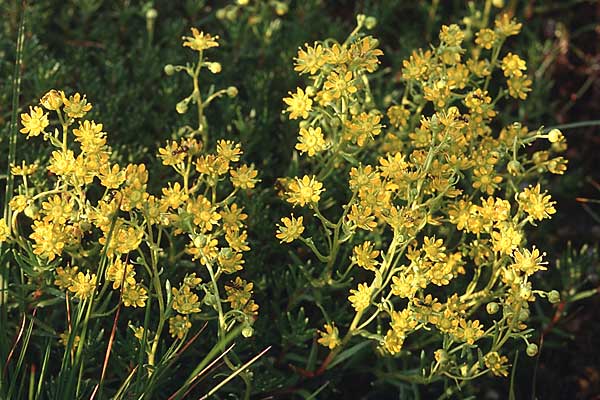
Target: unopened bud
{"x":532,"y":349}
{"x":555,"y":136}
{"x":554,"y":296}
{"x":514,"y":167}
{"x":169,"y":69}
{"x":52,"y":100}
{"x":182,"y":107}
{"x":151,"y":14}
{"x":214,"y":67}
{"x":232,"y":91}
{"x":492,"y":308}
{"x":370,"y":22}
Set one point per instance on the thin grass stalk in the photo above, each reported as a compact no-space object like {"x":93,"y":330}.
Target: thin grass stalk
{"x":12,"y":150}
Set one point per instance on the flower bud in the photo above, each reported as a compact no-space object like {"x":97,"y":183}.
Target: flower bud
{"x":532,"y":349}
{"x":232,"y":91}
{"x":151,"y":14}
{"x":281,"y":8}
{"x":169,"y":69}
{"x":221,"y":13}
{"x":360,"y":19}
{"x":52,"y":100}
{"x":182,"y":107}
{"x":31,"y":211}
{"x":370,"y":22}
{"x":524,"y":315}
{"x":555,"y":136}
{"x":247,"y":331}
{"x":214,"y":67}
{"x":498,"y":3}
{"x":514,"y":167}
{"x":554,"y":296}
{"x":310,"y":91}
{"x":492,"y":308}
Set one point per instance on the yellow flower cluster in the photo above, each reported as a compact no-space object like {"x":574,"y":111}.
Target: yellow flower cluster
{"x":441,"y":204}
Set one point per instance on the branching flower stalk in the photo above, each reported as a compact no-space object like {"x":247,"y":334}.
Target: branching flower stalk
{"x":450,"y":196}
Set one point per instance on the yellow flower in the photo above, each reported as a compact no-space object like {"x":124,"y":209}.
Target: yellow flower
{"x":52,"y":100}
{"x":230,"y":261}
{"x":83,"y":285}
{"x":76,"y":106}
{"x":330,"y":338}
{"x":310,"y":60}
{"x":239,"y":293}
{"x":505,"y":26}
{"x":204,"y":248}
{"x":49,"y":239}
{"x":305,"y":190}
{"x":35,"y":122}
{"x":111,"y":177}
{"x":299,"y":104}
{"x":205,"y":214}
{"x":451,"y":35}
{"x":229,"y":151}
{"x":134,"y":296}
{"x":57,"y":209}
{"x":233,"y":217}
{"x":91,"y":137}
{"x":179,"y":326}
{"x":65,"y":276}
{"x":173,"y":196}
{"x":338,"y":85}
{"x":172,"y":153}
{"x":512,"y":65}
{"x":244,"y":177}
{"x":365,"y":256}
{"x":519,"y":86}
{"x":311,"y":141}
{"x":200,"y":41}
{"x":185,"y":301}
{"x":62,"y":162}
{"x":24,"y":169}
{"x":485,"y":38}
{"x":362,"y":217}
{"x":398,"y":115}
{"x":115,"y":271}
{"x":363,"y":127}
{"x":496,"y":363}
{"x":536,"y":204}
{"x":291,"y":230}
{"x":5,"y":231}
{"x":393,"y":342}
{"x":361,"y":297}
{"x":528,"y":261}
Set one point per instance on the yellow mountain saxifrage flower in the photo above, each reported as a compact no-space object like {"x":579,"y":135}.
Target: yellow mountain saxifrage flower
{"x":185,"y":301}
{"x":360,"y":298}
{"x":365,"y":256}
{"x":330,"y":338}
{"x":310,"y":60}
{"x":244,"y":177}
{"x":305,"y":190}
{"x":83,"y":285}
{"x":57,"y":209}
{"x":536,"y":204}
{"x":519,"y":86}
{"x":76,"y":106}
{"x":338,"y":85}
{"x":173,"y":196}
{"x":496,"y":363}
{"x":4,"y":230}
{"x":229,"y":151}
{"x":513,"y":65}
{"x":52,"y":100}
{"x":233,"y":217}
{"x":291,"y":229}
{"x":35,"y":122}
{"x":179,"y":326}
{"x":528,"y":261}
{"x":204,"y":212}
{"x":311,"y":141}
{"x":362,"y":217}
{"x":299,"y":104}
{"x":200,"y":41}
{"x":134,"y":296}
{"x":485,"y":38}
{"x":115,"y":271}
